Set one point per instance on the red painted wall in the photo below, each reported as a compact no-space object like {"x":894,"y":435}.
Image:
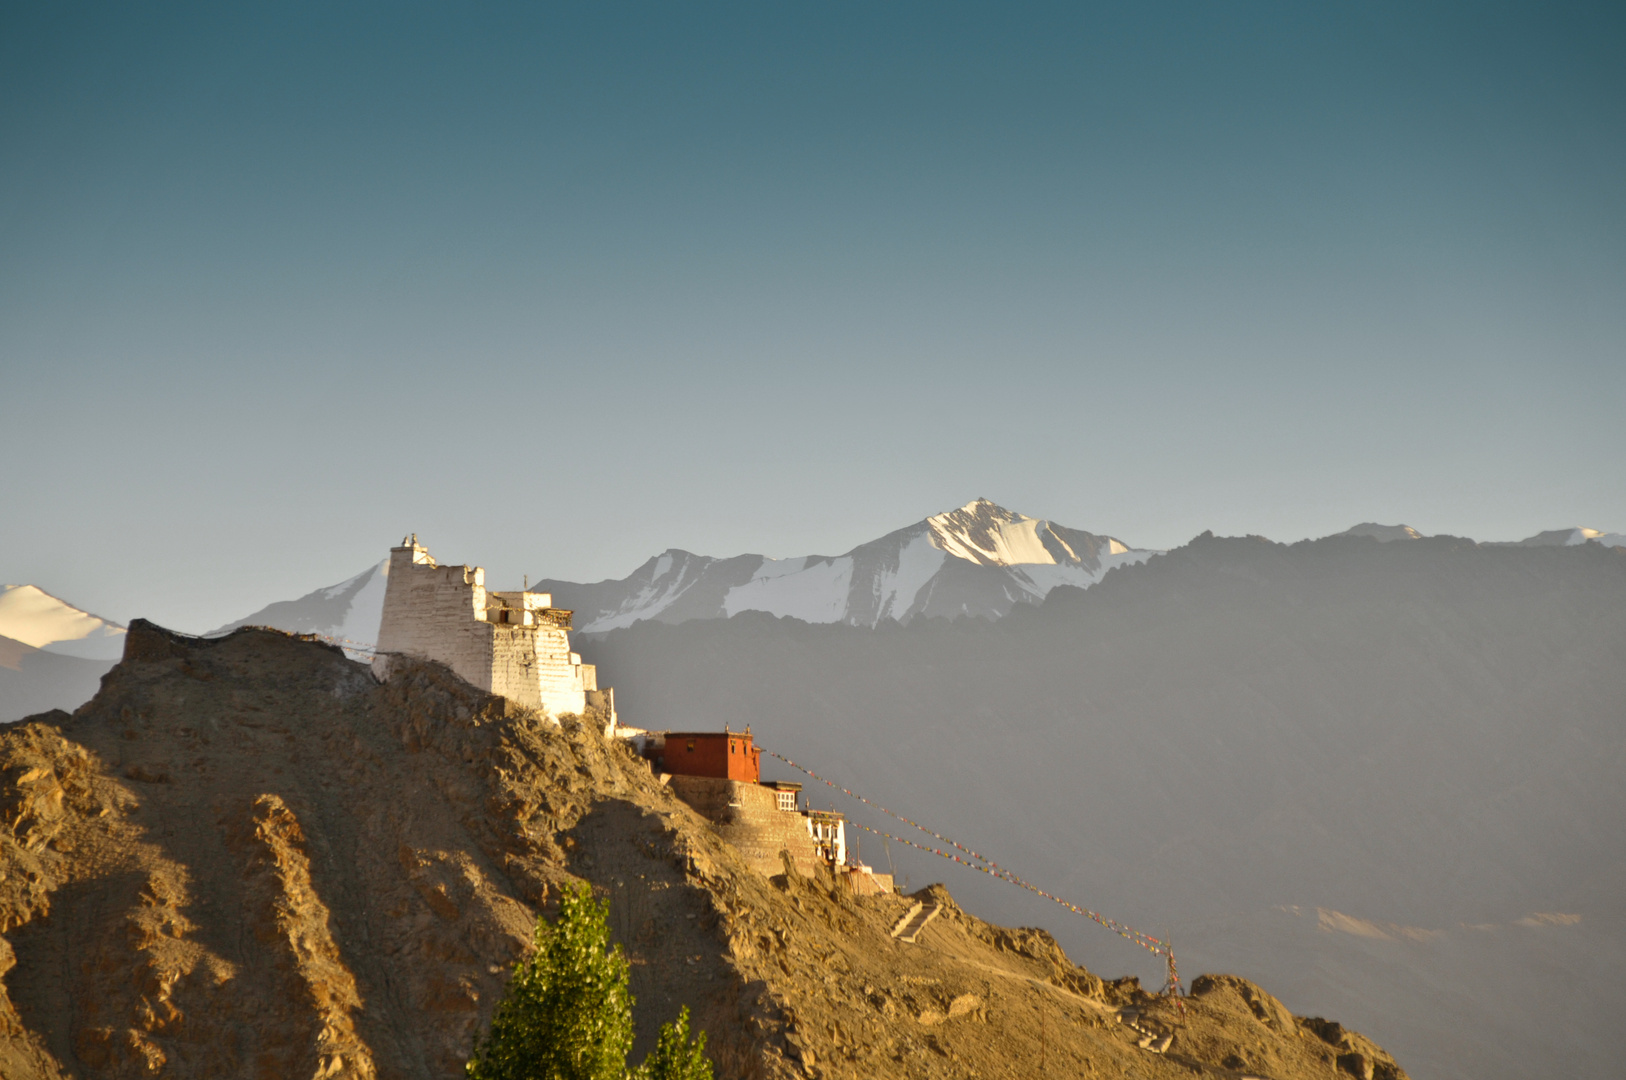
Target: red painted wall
{"x":728,"y":755}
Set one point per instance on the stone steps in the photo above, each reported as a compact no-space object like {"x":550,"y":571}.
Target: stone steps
{"x":1149,"y":1040}
{"x":914,"y":921}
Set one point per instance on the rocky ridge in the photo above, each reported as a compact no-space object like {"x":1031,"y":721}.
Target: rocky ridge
{"x":245,"y":857}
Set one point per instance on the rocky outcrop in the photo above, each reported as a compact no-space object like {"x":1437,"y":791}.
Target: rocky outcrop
{"x":1257,"y":1047}
{"x":245,"y":857}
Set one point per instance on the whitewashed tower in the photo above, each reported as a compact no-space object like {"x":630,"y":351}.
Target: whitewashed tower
{"x":516,"y":644}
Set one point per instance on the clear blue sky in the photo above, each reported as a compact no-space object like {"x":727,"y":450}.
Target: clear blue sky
{"x":560,"y":288}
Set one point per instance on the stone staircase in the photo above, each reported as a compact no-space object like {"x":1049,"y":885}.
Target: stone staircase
{"x":1149,"y":1040}
{"x":914,"y":921}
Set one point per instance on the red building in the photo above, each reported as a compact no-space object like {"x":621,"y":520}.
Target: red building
{"x":727,"y":755}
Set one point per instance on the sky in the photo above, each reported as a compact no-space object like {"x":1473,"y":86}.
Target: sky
{"x":560,"y":287}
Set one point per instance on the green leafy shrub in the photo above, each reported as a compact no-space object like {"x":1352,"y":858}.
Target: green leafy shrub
{"x":567,"y":1014}
{"x":674,"y":1057}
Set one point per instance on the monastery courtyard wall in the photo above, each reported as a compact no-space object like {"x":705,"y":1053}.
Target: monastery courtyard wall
{"x":747,"y":815}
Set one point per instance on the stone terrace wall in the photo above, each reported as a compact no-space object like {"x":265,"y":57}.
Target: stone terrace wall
{"x":748,"y":816}
{"x":870,"y":884}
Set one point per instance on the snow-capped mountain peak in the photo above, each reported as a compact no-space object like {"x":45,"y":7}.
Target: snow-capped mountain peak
{"x":978,"y":560}
{"x":986,"y":533}
{"x":34,"y":617}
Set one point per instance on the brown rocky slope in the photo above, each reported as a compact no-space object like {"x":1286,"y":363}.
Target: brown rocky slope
{"x":245,"y":857}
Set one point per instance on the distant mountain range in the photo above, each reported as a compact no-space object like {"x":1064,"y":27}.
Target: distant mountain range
{"x":981,"y":560}
{"x":1566,"y":538}
{"x":1550,"y":538}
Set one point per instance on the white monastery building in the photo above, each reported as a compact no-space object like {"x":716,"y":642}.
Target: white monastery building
{"x":516,"y":644}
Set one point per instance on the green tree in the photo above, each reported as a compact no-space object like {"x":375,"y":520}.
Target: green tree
{"x":674,"y":1057}
{"x":567,"y":1014}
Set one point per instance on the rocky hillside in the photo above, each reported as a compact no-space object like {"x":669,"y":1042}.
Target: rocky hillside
{"x":244,"y":857}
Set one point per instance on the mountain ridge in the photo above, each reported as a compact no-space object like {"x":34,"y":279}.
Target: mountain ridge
{"x":346,"y":613}
{"x":1571,"y":537}
{"x":978,"y":560}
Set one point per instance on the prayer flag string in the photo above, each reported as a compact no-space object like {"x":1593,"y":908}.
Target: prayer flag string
{"x":1155,"y":946}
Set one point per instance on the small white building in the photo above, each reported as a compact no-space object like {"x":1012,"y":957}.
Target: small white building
{"x":829,"y":832}
{"x":786,"y":793}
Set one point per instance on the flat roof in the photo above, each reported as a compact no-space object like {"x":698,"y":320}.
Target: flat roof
{"x":703,"y":734}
